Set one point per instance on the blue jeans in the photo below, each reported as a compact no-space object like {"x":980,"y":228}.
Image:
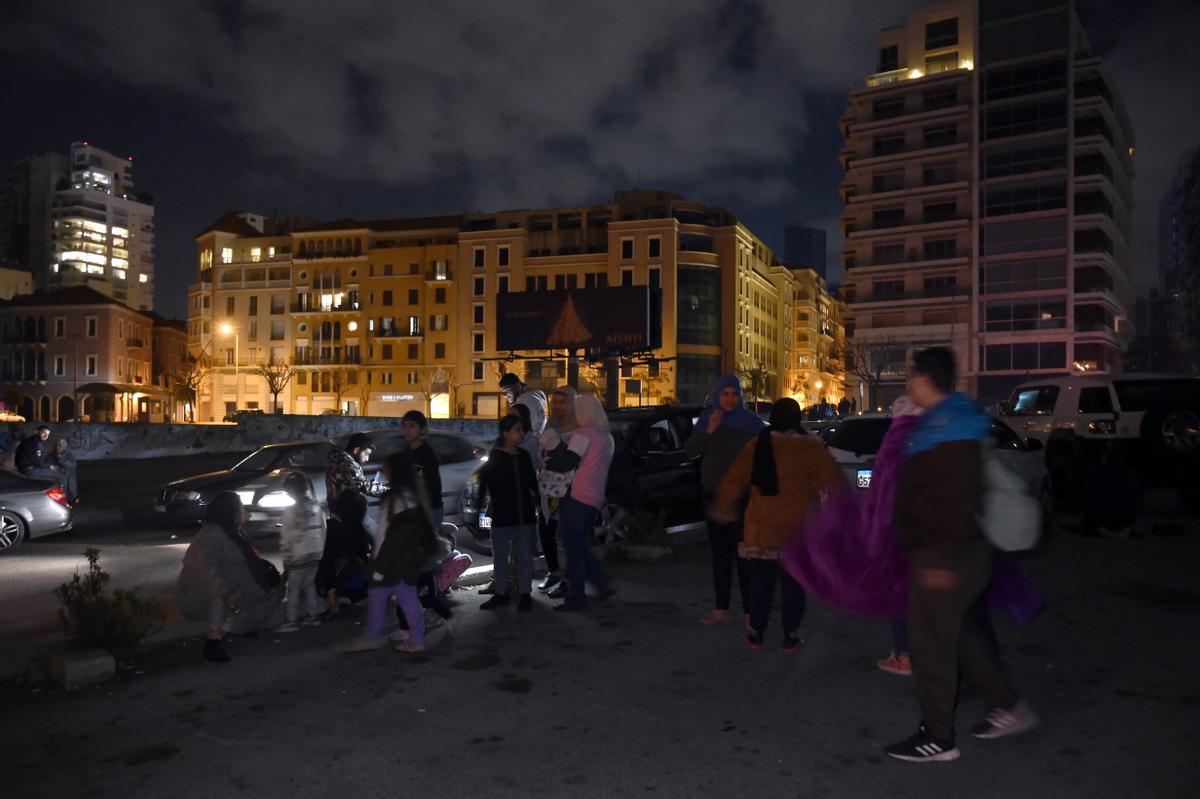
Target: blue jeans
{"x":503,"y":539}
{"x":575,"y":522}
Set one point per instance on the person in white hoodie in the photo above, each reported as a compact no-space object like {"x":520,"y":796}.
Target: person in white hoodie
{"x":301,"y":543}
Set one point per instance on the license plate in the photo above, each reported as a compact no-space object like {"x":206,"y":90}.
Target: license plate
{"x":485,"y":522}
{"x":160,"y":508}
{"x":864,"y":478}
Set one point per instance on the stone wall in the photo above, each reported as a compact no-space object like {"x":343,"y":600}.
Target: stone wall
{"x":98,"y":440}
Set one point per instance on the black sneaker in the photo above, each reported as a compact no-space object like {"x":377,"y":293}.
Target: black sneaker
{"x":549,"y":582}
{"x":488,"y":588}
{"x":1001,"y":722}
{"x":791,"y":643}
{"x":525,"y":603}
{"x":215,"y":652}
{"x":497,"y":601}
{"x":754,"y":640}
{"x":922,"y":748}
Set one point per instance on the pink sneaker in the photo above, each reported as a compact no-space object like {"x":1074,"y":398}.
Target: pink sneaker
{"x":714,"y":617}
{"x":895,"y":663}
{"x":452,"y":570}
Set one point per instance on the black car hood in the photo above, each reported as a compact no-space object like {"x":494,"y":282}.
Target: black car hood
{"x":211,"y":482}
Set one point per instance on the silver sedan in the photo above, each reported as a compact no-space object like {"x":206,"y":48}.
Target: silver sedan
{"x":30,"y":508}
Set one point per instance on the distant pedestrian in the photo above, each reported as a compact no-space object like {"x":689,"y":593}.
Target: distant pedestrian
{"x":586,"y":458}
{"x":720,"y":435}
{"x":843,"y":407}
{"x":787,"y":472}
{"x":426,"y":462}
{"x":225,"y":582}
{"x":33,"y":456}
{"x":509,"y":479}
{"x":64,"y":461}
{"x":938,"y":502}
{"x":342,"y":570}
{"x":301,"y":543}
{"x":405,"y":540}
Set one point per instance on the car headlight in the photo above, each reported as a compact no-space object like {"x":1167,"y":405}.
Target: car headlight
{"x":276,"y":499}
{"x":247,"y":497}
{"x":189,"y":496}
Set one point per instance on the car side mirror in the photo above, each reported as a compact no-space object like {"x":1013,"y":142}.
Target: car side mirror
{"x":1034,"y":445}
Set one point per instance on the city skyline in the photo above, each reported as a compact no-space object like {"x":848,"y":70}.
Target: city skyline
{"x":257,"y":125}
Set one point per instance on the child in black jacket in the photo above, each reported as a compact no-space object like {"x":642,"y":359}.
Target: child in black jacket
{"x":509,"y":480}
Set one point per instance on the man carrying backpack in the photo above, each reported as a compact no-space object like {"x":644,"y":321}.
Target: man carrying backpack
{"x":939,"y":498}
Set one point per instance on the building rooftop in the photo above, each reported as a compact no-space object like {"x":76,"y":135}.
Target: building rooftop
{"x":68,"y":295}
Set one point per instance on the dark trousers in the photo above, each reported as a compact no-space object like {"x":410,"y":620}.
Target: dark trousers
{"x":949,"y":635}
{"x":576,"y":521}
{"x":723,"y":539}
{"x":763,"y":575}
{"x":547,"y":534}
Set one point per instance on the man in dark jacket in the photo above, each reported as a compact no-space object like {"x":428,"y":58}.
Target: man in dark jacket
{"x":939,"y":497}
{"x":32,"y":458}
{"x":425,"y":460}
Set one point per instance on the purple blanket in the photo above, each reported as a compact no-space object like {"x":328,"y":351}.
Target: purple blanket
{"x":847,"y":555}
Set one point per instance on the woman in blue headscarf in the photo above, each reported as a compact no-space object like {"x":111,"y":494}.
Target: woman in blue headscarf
{"x":721,"y":433}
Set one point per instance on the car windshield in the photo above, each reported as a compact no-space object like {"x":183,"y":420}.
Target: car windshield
{"x":451,"y":449}
{"x":860,"y":436}
{"x":260,"y":461}
{"x":1142,"y":395}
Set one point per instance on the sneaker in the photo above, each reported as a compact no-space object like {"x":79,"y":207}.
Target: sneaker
{"x":525,"y":603}
{"x":714,"y":616}
{"x":558,"y":591}
{"x":497,"y":601}
{"x":754,"y":640}
{"x":791,"y":643}
{"x":922,"y":748}
{"x":549,"y":581}
{"x":398,"y":635}
{"x":452,"y":570}
{"x":1001,"y":722}
{"x":287,"y":627}
{"x":489,"y":588}
{"x":311,"y":621}
{"x":895,"y":663}
{"x":214,"y":652}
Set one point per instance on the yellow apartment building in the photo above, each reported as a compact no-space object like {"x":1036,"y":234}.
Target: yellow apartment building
{"x":377,"y":317}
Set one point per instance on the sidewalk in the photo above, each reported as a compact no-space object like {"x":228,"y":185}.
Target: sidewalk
{"x":635,"y":698}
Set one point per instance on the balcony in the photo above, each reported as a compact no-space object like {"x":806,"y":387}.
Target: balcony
{"x":343,"y":307}
{"x":439,"y":275}
{"x":951,"y":293}
{"x":902,"y":224}
{"x":396,"y":332}
{"x":20,"y":376}
{"x":886,"y":78}
{"x":308,"y":358}
{"x":24,"y":338}
{"x":135,"y":343}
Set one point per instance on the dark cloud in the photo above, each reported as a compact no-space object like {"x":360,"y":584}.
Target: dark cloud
{"x":423,"y":107}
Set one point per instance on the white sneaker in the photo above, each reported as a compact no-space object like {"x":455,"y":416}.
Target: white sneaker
{"x":311,"y":621}
{"x":1001,"y":722}
{"x":287,"y":627}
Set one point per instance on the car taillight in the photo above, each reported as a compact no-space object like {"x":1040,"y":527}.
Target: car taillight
{"x":57,"y":494}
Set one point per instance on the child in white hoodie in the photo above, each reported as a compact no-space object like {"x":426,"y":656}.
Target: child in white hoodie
{"x":301,"y":543}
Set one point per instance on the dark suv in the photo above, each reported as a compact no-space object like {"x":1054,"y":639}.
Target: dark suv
{"x":650,"y":469}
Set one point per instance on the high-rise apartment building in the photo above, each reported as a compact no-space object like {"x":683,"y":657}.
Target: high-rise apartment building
{"x":804,"y":248}
{"x":25,"y":201}
{"x":382,"y":316}
{"x":1179,"y":261}
{"x":988,"y":166}
{"x":103,"y":232}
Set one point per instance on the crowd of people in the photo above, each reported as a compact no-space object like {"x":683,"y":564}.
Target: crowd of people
{"x":778,"y":514}
{"x":34,"y":458}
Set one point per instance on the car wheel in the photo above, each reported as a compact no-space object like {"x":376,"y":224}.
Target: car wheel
{"x":12,"y":531}
{"x":610,"y":521}
{"x":1176,"y":431}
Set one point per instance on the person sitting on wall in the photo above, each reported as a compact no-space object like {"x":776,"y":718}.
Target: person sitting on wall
{"x":32,"y":459}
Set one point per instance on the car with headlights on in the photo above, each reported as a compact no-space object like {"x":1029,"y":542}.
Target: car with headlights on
{"x":30,"y":508}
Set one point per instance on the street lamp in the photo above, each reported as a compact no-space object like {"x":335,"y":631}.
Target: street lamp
{"x":229,"y":330}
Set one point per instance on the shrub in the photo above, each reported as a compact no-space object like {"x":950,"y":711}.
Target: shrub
{"x":114,"y":622}
{"x":644,"y":527}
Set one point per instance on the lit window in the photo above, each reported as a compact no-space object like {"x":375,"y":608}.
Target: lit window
{"x":119,"y":274}
{"x":143,"y":278}
{"x":256,"y":254}
{"x":226,"y":255}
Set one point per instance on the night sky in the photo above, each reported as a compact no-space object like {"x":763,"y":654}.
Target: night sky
{"x":375,"y":109}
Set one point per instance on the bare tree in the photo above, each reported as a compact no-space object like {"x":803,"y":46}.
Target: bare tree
{"x":364,"y":390}
{"x":339,"y":384}
{"x":186,"y":382}
{"x":871,"y":360}
{"x":756,"y":379}
{"x":434,"y":380}
{"x":277,"y":376}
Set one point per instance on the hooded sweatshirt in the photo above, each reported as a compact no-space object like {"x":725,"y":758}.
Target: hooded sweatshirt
{"x":939,"y":490}
{"x":718,"y":450}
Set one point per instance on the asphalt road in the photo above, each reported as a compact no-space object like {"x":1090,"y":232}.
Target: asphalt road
{"x":637,"y":699}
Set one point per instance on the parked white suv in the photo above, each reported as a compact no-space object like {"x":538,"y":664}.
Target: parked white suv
{"x":1154,"y":419}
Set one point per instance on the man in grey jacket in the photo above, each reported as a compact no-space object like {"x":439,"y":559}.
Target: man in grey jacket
{"x":721,"y":433}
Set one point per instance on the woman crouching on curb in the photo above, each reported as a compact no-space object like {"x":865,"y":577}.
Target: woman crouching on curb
{"x":225,"y":582}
